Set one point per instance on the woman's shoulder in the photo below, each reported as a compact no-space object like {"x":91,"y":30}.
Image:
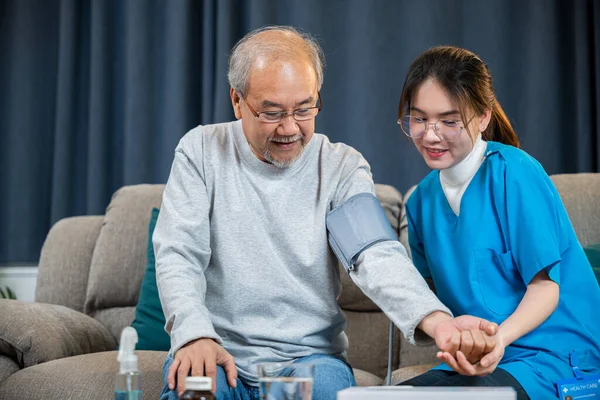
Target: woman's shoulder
{"x":511,"y":155}
{"x":516,"y":166}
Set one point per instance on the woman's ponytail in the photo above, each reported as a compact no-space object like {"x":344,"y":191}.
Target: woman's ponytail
{"x":500,"y":129}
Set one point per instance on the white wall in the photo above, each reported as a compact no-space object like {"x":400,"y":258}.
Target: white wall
{"x":21,"y":280}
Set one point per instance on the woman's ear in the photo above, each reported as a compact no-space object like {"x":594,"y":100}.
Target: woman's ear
{"x":236,"y":103}
{"x":484,"y":120}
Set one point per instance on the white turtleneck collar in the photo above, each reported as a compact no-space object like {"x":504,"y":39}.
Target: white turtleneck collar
{"x":455,"y":179}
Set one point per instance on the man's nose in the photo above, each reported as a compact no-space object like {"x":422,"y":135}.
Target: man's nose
{"x":289,"y":125}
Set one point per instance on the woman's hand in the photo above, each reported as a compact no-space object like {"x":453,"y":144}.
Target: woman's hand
{"x":472,"y":335}
{"x":468,"y":365}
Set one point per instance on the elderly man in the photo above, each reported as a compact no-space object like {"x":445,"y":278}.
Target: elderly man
{"x":250,"y":214}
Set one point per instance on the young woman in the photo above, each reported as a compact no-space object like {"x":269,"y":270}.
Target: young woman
{"x":488,"y":227}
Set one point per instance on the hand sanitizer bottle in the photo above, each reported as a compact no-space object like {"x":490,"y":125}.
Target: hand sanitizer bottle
{"x":128,"y":384}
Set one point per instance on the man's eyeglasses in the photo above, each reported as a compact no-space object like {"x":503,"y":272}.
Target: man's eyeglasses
{"x":415,"y":128}
{"x":301,"y":114}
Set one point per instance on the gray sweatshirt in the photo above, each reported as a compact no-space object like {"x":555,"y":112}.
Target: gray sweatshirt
{"x":242,"y":254}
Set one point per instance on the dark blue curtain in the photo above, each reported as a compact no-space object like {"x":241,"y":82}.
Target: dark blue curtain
{"x":95,"y":95}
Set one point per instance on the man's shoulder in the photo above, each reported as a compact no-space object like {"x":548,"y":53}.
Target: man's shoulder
{"x":206,"y":135}
{"x":344,"y":169}
{"x":338,"y":152}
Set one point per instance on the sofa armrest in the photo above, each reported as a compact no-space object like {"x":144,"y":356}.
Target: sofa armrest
{"x":33,"y":333}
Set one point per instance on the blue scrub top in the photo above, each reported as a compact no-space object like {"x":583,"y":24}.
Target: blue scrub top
{"x":512,"y":224}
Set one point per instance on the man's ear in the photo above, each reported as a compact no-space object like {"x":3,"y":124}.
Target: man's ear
{"x":484,"y":120}
{"x":236,"y":103}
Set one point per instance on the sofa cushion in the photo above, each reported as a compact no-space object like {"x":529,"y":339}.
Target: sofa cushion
{"x":34,"y":333}
{"x":365,"y":378}
{"x":64,"y":266}
{"x":404,"y":221}
{"x":368,"y":334}
{"x":403,"y":374}
{"x":92,"y":376}
{"x":115,"y":319}
{"x":149,"y":319}
{"x":8,"y":366}
{"x":592,"y":252}
{"x":579,"y":193}
{"x":89,"y":376}
{"x":119,"y":258}
{"x":411,"y":354}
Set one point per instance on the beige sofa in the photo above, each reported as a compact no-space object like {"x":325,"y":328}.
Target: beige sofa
{"x":62,"y":346}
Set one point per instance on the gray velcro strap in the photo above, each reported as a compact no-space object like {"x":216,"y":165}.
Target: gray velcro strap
{"x":355,"y":226}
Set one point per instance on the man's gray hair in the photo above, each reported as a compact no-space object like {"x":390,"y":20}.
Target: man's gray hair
{"x":249,"y":48}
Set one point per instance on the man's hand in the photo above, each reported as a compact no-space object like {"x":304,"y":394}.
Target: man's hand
{"x":487,"y":365}
{"x":471,"y":335}
{"x":201,"y":356}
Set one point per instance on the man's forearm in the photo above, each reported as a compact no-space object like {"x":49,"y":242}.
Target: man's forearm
{"x":385,"y":274}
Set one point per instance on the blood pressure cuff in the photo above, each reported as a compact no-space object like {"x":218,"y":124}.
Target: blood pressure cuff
{"x":355,"y":226}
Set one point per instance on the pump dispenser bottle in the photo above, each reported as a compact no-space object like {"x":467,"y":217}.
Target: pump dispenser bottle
{"x":128,"y":383}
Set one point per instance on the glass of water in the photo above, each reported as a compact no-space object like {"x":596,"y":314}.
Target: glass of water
{"x":285,"y":381}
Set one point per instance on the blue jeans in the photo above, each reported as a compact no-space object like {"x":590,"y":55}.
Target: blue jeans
{"x":331,"y":376}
